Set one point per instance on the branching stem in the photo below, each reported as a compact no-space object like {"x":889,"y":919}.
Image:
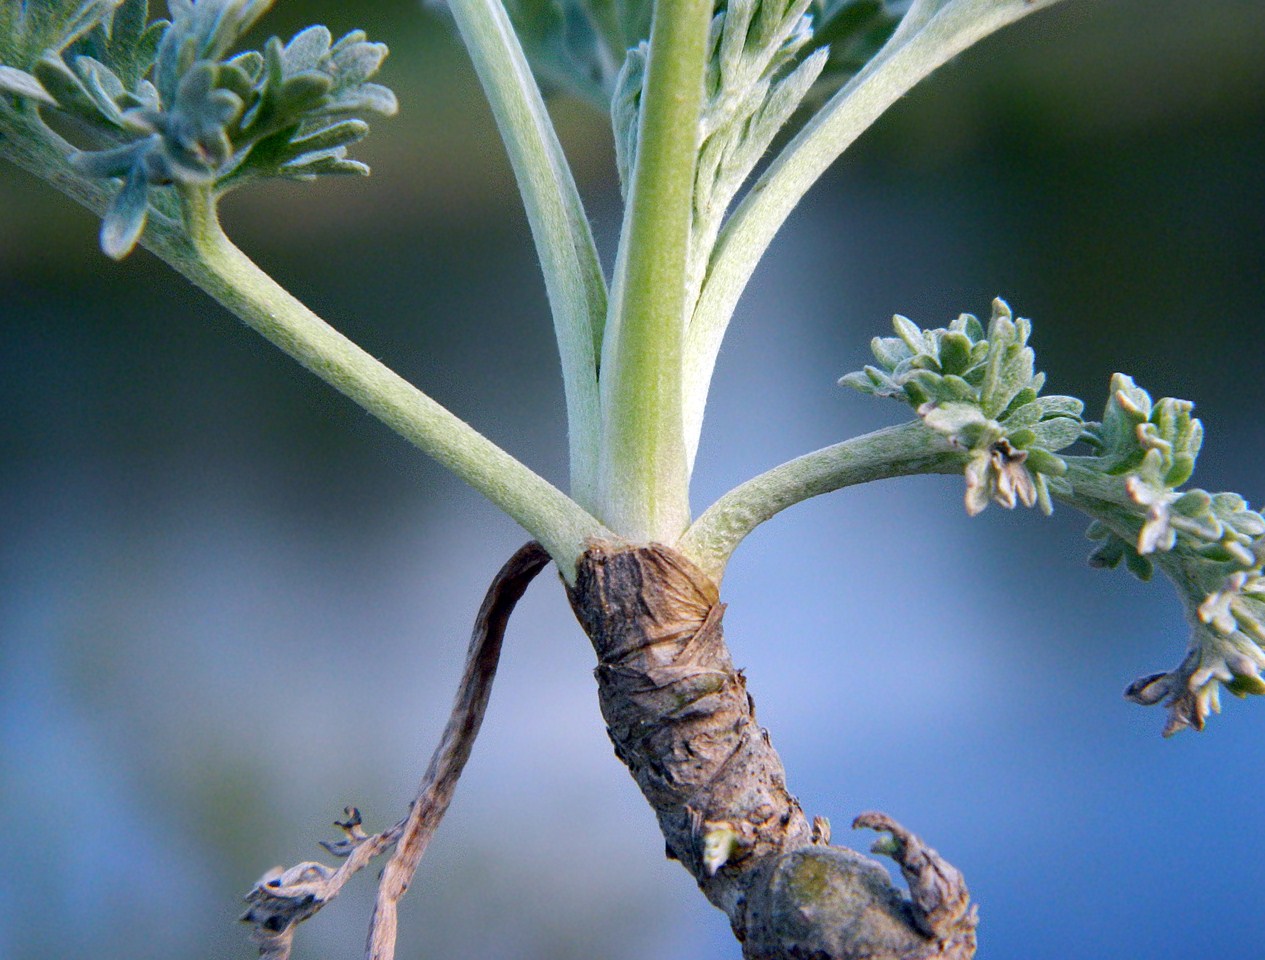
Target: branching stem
{"x":899,"y":451}
{"x":932,"y":33}
{"x":232,"y":278}
{"x":560,"y":228}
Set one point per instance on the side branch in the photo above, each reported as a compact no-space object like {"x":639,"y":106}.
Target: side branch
{"x":233,"y":279}
{"x":281,"y":900}
{"x":559,"y":225}
{"x":207,"y":258}
{"x":904,"y":450}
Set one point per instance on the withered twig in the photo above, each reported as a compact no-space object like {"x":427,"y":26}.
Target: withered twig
{"x":446,"y":764}
{"x":282,"y":899}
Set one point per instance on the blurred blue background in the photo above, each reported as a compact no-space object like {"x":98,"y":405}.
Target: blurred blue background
{"x":231,"y":603}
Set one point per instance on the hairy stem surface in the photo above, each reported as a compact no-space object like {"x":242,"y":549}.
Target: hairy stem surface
{"x":560,"y":228}
{"x":899,"y":451}
{"x":645,"y":479}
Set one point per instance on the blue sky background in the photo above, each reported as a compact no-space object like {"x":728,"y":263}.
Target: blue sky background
{"x":231,"y":603}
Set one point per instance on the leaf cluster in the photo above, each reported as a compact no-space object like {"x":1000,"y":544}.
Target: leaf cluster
{"x":755,"y":82}
{"x":579,"y":46}
{"x":28,"y":28}
{"x":167,"y":103}
{"x":1210,"y":545}
{"x":980,"y":390}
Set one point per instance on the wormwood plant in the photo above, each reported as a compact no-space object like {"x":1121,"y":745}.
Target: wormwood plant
{"x":150,"y":122}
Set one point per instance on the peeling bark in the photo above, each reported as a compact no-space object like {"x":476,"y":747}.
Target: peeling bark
{"x":680,"y":718}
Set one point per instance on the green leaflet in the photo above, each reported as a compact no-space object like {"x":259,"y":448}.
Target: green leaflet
{"x":981,"y":391}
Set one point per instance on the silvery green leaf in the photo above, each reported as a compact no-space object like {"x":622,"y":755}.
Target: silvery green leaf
{"x":310,"y":165}
{"x":125,"y":220}
{"x":206,"y":30}
{"x":890,"y":351}
{"x":124,"y":39}
{"x":306,"y":50}
{"x":303,"y":92}
{"x":65,"y":87}
{"x":1044,"y":462}
{"x":365,"y":98}
{"x":853,"y":30}
{"x":250,"y":63}
{"x":625,"y":108}
{"x":1061,"y":406}
{"x":1025,"y":416}
{"x":953,"y":419}
{"x":955,"y":352}
{"x":115,"y":162}
{"x":339,"y":134}
{"x":22,"y":84}
{"x":859,"y":380}
{"x":1107,"y":555}
{"x":911,"y":334}
{"x":103,"y":87}
{"x":29,"y":29}
{"x":1057,"y":433}
{"x":1138,"y":565}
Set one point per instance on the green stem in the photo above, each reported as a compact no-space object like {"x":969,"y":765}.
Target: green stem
{"x":904,"y":450}
{"x":228,"y":275}
{"x":232,"y":278}
{"x":560,"y":228}
{"x":932,"y":32}
{"x":644,"y":476}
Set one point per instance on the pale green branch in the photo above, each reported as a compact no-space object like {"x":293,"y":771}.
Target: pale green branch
{"x":910,"y":448}
{"x":932,"y":33}
{"x":230,"y":277}
{"x":564,"y":242}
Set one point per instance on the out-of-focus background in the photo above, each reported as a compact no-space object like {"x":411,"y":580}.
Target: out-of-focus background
{"x":231,"y":603}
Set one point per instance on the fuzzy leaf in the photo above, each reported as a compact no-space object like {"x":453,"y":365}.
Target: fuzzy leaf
{"x":125,"y":220}
{"x":21,"y":84}
{"x":28,"y":29}
{"x":210,"y":117}
{"x":853,"y":30}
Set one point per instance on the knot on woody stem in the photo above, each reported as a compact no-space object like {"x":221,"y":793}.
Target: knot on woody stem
{"x":681,"y":720}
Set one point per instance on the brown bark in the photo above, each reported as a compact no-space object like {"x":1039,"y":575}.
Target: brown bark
{"x":680,"y":717}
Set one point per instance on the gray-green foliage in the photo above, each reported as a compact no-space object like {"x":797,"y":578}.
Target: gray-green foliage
{"x":852,"y":31}
{"x":28,"y":28}
{"x":167,"y":103}
{"x":979,"y":390}
{"x":764,"y":60}
{"x":1209,"y":544}
{"x":579,"y":46}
